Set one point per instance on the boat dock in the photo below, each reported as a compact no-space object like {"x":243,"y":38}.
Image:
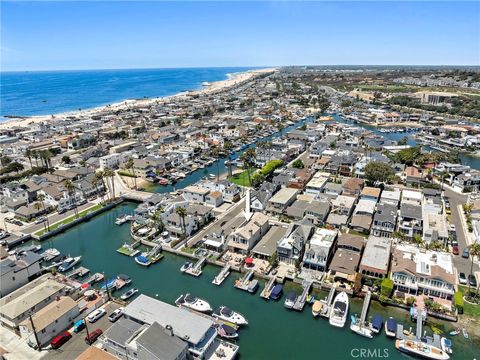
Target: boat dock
{"x":327,"y":303}
{"x":209,"y":317}
{"x":196,"y":270}
{"x":222,"y":275}
{"x":246,"y":284}
{"x":80,"y":272}
{"x":300,"y":303}
{"x":267,"y":290}
{"x":129,"y":249}
{"x":97,"y":277}
{"x":366,"y":304}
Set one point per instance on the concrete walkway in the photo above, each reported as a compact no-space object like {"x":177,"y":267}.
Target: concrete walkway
{"x":16,"y":348}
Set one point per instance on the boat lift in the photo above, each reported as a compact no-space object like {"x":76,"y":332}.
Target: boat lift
{"x":300,"y":302}
{"x":222,"y":275}
{"x":246,"y":284}
{"x":196,"y":270}
{"x":268,"y":288}
{"x":326,"y":304}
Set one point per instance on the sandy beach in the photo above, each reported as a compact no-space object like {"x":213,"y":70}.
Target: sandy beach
{"x":25,"y":122}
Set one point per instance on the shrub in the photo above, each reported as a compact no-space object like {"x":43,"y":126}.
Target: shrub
{"x":410,"y":300}
{"x":458,"y":297}
{"x":270,"y":167}
{"x":387,"y":287}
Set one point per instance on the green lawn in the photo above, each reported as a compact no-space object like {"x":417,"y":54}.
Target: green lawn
{"x":469,"y":309}
{"x":69,"y":219}
{"x":242,"y":178}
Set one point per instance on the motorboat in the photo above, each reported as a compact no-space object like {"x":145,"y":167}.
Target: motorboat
{"x":316,"y":308}
{"x":186,"y":265}
{"x":50,"y":254}
{"x":421,"y":349}
{"x":391,"y":327}
{"x":446,"y":345}
{"x":290,"y":300}
{"x":129,"y":294}
{"x":276,"y":292}
{"x":338,"y":315}
{"x":454,"y":332}
{"x":69,"y":263}
{"x":226,"y":331}
{"x":110,"y":285}
{"x":143,"y":260}
{"x":377,"y":324}
{"x":227,"y":314}
{"x":356,"y":327}
{"x":465,"y":333}
{"x":121,"y":220}
{"x":194,"y":303}
{"x":125,"y":278}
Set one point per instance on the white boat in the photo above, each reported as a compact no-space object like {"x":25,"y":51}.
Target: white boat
{"x":446,"y":345}
{"x":290,"y":300}
{"x":187,"y":265}
{"x":338,"y":315}
{"x":121,"y":220}
{"x":421,"y":349}
{"x":227,"y":314}
{"x":226,"y":331}
{"x":465,"y":333}
{"x":316,"y":308}
{"x":69,"y":263}
{"x":194,"y":303}
{"x":50,"y":254}
{"x":129,"y":294}
{"x":360,"y":330}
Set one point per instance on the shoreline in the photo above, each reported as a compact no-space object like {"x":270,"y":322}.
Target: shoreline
{"x":232,"y":79}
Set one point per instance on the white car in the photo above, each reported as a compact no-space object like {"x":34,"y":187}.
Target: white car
{"x":117,"y":314}
{"x":97,"y":314}
{"x":452,"y":227}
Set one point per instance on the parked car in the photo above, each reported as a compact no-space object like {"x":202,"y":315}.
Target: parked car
{"x":472,"y":281}
{"x":117,"y":314}
{"x":93,"y":336}
{"x":60,"y":339}
{"x":465,"y":253}
{"x":17,"y":222}
{"x":61,"y":211}
{"x":79,"y":326}
{"x":40,"y":220}
{"x":462,"y":279}
{"x":97,"y":314}
{"x":455,"y":250}
{"x":452,"y":228}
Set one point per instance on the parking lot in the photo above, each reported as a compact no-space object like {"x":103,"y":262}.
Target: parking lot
{"x":76,"y":345}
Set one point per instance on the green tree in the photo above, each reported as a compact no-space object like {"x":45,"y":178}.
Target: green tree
{"x":403,"y":141}
{"x":474,"y":250}
{"x":298,"y":164}
{"x":323,"y":103}
{"x":377,"y":171}
{"x":130,"y":165}
{"x":417,"y":240}
{"x":248,"y":159}
{"x":182,"y":212}
{"x":41,"y":200}
{"x":257,"y":179}
{"x":29,"y":155}
{"x":15,"y":166}
{"x":109,"y":174}
{"x":71,"y":190}
{"x":66,"y":159}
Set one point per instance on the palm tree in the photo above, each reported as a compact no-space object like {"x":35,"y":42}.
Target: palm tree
{"x":71,"y":193}
{"x":28,"y":154}
{"x":110,"y":174}
{"x":182,"y":212}
{"x":248,"y":158}
{"x":417,"y":239}
{"x":129,"y":165}
{"x":38,"y":207}
{"x":41,"y":199}
{"x":35,"y":156}
{"x":98,"y":177}
{"x":474,"y":250}
{"x":443,"y":175}
{"x":157,"y":220}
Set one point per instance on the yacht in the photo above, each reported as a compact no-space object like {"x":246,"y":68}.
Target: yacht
{"x":391,"y":327}
{"x":50,"y":254}
{"x":129,"y":294}
{"x":339,"y":313}
{"x":290,"y":300}
{"x":421,"y":349}
{"x":360,"y":330}
{"x":446,"y":345}
{"x":69,"y":263}
{"x":227,"y":314}
{"x":226,"y":331}
{"x":194,"y":303}
{"x":187,"y":265}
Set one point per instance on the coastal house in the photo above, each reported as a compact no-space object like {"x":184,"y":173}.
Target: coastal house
{"x":17,"y":270}
{"x":179,"y":227}
{"x":391,"y":197}
{"x":352,"y":187}
{"x":279,"y":202}
{"x":244,"y":238}
{"x":410,"y":221}
{"x":467,"y":182}
{"x":415,"y":271}
{"x":290,"y":248}
{"x":319,"y":250}
{"x":342,"y":208}
{"x":196,"y":194}
{"x":214,"y":198}
{"x":384,"y":220}
{"x":316,"y":185}
{"x":363,"y":215}
{"x":267,"y":246}
{"x":376,"y":257}
{"x":370,"y":193}
{"x":260,"y":197}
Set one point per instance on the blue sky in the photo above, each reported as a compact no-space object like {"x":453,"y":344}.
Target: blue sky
{"x":98,"y":35}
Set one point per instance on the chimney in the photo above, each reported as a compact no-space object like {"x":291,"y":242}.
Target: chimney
{"x":169,"y":330}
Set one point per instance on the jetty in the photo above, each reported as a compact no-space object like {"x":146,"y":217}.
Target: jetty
{"x":267,"y":290}
{"x":80,"y":272}
{"x":327,"y":303}
{"x":196,"y":270}
{"x":129,"y":249}
{"x":246,"y":283}
{"x":300,"y":302}
{"x":366,"y":304}
{"x":222,"y":275}
{"x":97,"y":277}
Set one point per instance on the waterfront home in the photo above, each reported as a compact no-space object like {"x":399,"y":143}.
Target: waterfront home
{"x":28,"y":299}
{"x":319,"y":250}
{"x":230,"y":191}
{"x":351,"y":242}
{"x":17,"y":270}
{"x":384,"y":220}
{"x":197,"y":331}
{"x":376,"y":257}
{"x":410,"y":221}
{"x":214,"y":198}
{"x":196,"y":194}
{"x":179,"y":227}
{"x":244,"y":238}
{"x":290,"y":248}
{"x":342,"y":208}
{"x":113,"y":161}
{"x":416,"y":271}
{"x":279,"y":202}
{"x":344,"y":267}
{"x":49,"y":321}
{"x":127,"y":339}
{"x":267,"y":246}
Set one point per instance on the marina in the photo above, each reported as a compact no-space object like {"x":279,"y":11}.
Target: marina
{"x":196,"y":270}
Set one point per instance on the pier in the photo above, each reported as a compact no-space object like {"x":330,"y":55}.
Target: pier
{"x":97,"y":277}
{"x":196,"y":270}
{"x":327,"y":303}
{"x":218,"y":280}
{"x":80,"y":272}
{"x":268,"y":288}
{"x":366,"y":304}
{"x":246,"y":284}
{"x":300,"y":303}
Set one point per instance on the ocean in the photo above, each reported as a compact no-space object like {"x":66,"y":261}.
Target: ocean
{"x":30,"y":93}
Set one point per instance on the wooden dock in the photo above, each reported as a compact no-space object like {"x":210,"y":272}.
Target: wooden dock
{"x":300,"y":303}
{"x":222,"y":275}
{"x":246,"y":283}
{"x":196,"y":270}
{"x":80,"y":272}
{"x":267,"y":290}
{"x":97,"y":277}
{"x":327,"y":303}
{"x":366,"y":304}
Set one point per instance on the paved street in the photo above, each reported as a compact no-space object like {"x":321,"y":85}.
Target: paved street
{"x":76,"y":345}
